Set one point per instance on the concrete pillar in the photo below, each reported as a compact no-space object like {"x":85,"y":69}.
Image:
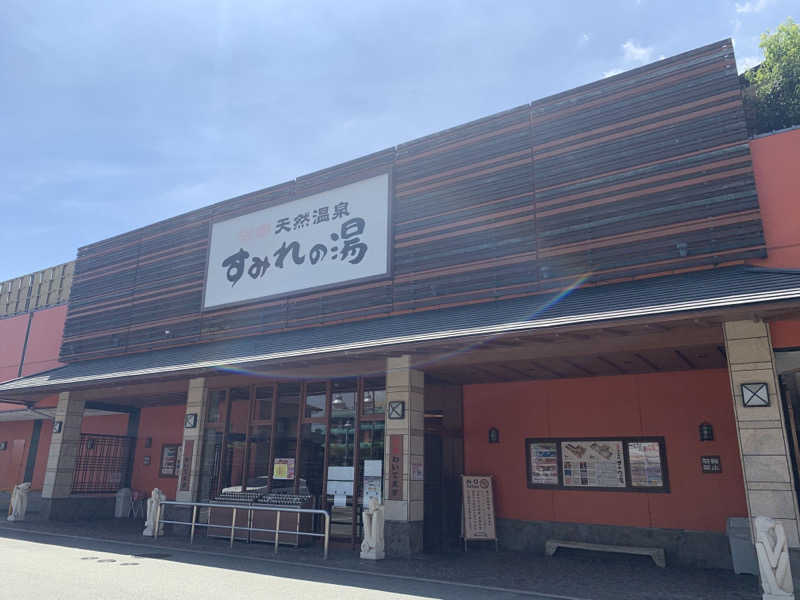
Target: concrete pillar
{"x":404,"y":516}
{"x":191,"y":455}
{"x":763,"y":445}
{"x":64,"y":447}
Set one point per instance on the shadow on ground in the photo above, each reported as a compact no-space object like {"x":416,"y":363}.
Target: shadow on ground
{"x":571,"y":573}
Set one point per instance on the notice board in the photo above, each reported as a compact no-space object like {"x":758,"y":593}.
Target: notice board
{"x":477,"y":508}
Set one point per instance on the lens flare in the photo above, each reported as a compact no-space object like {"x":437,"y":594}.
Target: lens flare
{"x":538,"y":308}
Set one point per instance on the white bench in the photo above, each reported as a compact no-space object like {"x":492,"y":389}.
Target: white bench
{"x":657,"y":554}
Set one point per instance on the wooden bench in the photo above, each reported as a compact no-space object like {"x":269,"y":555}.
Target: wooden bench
{"x":657,"y":554}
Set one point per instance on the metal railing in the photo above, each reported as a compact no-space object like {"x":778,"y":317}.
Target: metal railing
{"x":249,"y":508}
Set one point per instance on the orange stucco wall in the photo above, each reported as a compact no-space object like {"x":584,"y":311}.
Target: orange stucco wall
{"x":44,"y":340}
{"x":663,"y":404}
{"x":12,"y":338}
{"x":12,"y":463}
{"x":775,"y":165}
{"x":164,"y":424}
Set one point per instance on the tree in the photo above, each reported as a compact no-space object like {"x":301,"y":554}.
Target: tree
{"x":772,"y":98}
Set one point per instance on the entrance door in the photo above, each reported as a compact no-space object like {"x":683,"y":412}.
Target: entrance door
{"x":434,"y":525}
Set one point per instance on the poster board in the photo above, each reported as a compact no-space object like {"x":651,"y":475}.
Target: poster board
{"x":283,"y":468}
{"x":624,"y":464}
{"x":477,"y":509}
{"x":373,"y":481}
{"x":593,"y":464}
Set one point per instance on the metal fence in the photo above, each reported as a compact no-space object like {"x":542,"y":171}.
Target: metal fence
{"x":103,"y":463}
{"x":236,"y":526}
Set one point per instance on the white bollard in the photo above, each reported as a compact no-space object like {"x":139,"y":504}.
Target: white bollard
{"x":155,"y":499}
{"x":773,"y":559}
{"x":122,"y":507}
{"x":372,"y":547}
{"x":19,"y":501}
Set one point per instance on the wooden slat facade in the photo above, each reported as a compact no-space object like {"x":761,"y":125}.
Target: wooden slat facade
{"x":641,"y":174}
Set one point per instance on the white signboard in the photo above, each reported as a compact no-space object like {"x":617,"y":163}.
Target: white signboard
{"x":478,"y":508}
{"x":329,"y":238}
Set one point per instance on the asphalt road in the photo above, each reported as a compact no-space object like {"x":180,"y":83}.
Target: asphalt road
{"x":33,"y":566}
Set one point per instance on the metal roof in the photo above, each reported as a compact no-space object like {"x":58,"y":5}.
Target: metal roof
{"x":698,"y":290}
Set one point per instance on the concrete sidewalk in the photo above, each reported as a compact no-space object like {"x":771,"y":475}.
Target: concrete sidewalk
{"x":571,"y":574}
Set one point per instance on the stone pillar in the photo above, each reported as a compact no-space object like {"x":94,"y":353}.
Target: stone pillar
{"x":191,"y":455}
{"x":61,"y":459}
{"x":404,"y":516}
{"x":763,"y":446}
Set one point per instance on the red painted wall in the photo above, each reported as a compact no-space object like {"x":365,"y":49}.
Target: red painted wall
{"x":106,"y":424}
{"x":12,"y":338}
{"x":44,"y":340}
{"x":165,"y":425}
{"x":12,"y":464}
{"x":775,"y":166}
{"x":663,"y":404}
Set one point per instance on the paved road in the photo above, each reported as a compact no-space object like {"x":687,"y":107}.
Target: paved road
{"x":34,"y":566}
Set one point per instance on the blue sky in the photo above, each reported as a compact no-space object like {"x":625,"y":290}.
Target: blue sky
{"x":116,"y":114}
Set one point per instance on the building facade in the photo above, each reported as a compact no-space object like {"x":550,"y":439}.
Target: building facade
{"x":590,"y":298}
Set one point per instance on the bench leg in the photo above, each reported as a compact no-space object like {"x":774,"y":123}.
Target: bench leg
{"x":659,"y":559}
{"x":550,"y":549}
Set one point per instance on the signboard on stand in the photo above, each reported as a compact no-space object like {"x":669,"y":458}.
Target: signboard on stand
{"x":477,"y":509}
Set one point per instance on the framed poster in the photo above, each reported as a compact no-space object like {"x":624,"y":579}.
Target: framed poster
{"x":593,"y":464}
{"x":601,"y":464}
{"x":283,"y":468}
{"x":644,"y":459}
{"x":168,"y":467}
{"x":543,"y":463}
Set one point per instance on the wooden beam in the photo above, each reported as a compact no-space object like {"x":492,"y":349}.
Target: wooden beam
{"x":646,"y":361}
{"x":683,"y":357}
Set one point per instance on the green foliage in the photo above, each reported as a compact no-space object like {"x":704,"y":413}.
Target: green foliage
{"x":772,"y":100}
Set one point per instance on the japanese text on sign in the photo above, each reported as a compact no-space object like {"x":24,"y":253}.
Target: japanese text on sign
{"x":336,"y":236}
{"x":395,"y":467}
{"x":478,"y":507}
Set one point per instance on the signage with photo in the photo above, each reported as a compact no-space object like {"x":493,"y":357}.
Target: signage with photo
{"x":283,"y":468}
{"x":593,"y":463}
{"x":543,"y":457}
{"x":373,"y":480}
{"x":169,"y":460}
{"x":645,"y":464}
{"x":609,"y":464}
{"x":330,"y":238}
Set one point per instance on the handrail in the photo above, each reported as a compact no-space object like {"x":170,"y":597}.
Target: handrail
{"x":250,"y":508}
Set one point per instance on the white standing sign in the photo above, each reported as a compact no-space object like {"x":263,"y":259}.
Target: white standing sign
{"x":477,"y":508}
{"x":333,"y":237}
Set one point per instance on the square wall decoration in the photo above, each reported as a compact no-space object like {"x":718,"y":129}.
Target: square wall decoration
{"x":755,"y":394}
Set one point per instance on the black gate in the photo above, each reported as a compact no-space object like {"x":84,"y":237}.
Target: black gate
{"x":103,"y":463}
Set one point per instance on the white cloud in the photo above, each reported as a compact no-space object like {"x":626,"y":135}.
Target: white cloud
{"x":747,"y":62}
{"x":752,"y":7}
{"x":636,"y":54}
{"x":633,"y":55}
{"x":584,"y":39}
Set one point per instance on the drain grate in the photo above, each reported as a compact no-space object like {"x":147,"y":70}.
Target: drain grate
{"x":151,"y":555}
